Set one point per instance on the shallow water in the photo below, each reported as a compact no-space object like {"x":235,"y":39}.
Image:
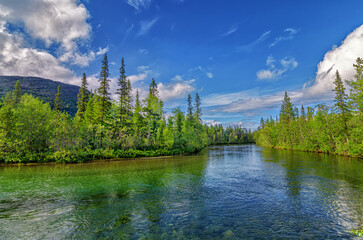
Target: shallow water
{"x":224,"y":192}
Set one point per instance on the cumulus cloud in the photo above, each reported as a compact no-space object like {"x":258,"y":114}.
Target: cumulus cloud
{"x":62,"y":24}
{"x":289,"y":34}
{"x":339,"y":58}
{"x":176,"y":89}
{"x":273,"y":71}
{"x":145,"y":26}
{"x":18,"y":60}
{"x":50,"y":20}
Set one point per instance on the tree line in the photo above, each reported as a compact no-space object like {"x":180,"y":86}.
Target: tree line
{"x":337,"y":129}
{"x":32,"y":131}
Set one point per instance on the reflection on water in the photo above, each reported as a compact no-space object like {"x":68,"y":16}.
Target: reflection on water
{"x":224,"y":192}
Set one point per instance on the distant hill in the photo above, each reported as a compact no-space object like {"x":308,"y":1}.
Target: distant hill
{"x":45,"y":89}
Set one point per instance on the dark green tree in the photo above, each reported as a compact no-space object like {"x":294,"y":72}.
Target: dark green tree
{"x":125,"y":97}
{"x":17,"y":93}
{"x":103,"y":95}
{"x":356,"y":87}
{"x":198,"y":110}
{"x":82,"y":98}
{"x":58,"y":100}
{"x":190,"y":107}
{"x":340,"y":99}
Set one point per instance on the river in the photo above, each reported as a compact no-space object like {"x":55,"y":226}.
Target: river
{"x":223,"y":192}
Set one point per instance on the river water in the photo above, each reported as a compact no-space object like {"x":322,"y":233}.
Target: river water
{"x":223,"y":192}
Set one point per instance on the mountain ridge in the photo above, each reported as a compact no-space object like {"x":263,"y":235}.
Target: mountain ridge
{"x":43,"y":88}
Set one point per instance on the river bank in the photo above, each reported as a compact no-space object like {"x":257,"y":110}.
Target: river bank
{"x":90,"y":155}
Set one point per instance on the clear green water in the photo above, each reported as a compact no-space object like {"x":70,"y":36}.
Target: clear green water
{"x":224,"y":192}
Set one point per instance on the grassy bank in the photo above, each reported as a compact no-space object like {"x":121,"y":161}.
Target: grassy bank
{"x":87,"y":155}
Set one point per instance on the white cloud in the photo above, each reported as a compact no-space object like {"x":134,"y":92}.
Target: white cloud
{"x":139,"y":4}
{"x":250,"y":46}
{"x":145,"y":26}
{"x":137,"y":77}
{"x":233,"y":29}
{"x":102,"y":51}
{"x":289,"y":35}
{"x":339,"y":58}
{"x":50,"y":20}
{"x":58,"y":23}
{"x":143,"y":51}
{"x":273,"y":71}
{"x":203,"y":70}
{"x":178,"y":88}
{"x":18,"y":60}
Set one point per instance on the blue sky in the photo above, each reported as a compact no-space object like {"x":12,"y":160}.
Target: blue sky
{"x":240,"y":56}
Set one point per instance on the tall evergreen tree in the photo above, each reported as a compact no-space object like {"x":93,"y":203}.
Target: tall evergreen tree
{"x":58,"y":100}
{"x":356,"y":87}
{"x":104,"y":96}
{"x":125,"y":96}
{"x":190,"y":107}
{"x":82,"y":98}
{"x":287,"y":109}
{"x":340,"y":99}
{"x":17,"y":93}
{"x":198,"y":110}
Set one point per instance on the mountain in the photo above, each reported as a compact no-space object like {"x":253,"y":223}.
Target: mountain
{"x":45,"y":89}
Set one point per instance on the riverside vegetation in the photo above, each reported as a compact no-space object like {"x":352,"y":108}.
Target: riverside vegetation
{"x":32,"y":131}
{"x":337,"y":129}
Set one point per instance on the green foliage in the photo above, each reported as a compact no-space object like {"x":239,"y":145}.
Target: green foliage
{"x":331,"y":130}
{"x":358,"y":233}
{"x":82,"y":98}
{"x":103,"y":99}
{"x":45,"y":89}
{"x":57,"y":100}
{"x":30,"y":131}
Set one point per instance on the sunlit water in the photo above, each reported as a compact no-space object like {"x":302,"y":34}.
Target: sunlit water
{"x":224,"y":192}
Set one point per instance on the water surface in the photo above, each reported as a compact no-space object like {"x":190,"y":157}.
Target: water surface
{"x":224,"y":192}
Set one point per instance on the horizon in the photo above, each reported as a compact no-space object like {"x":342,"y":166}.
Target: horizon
{"x":240,"y":58}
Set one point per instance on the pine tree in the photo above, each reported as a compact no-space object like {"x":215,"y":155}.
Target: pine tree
{"x":153,"y":89}
{"x":17,"y":93}
{"x":125,"y":96}
{"x":103,"y":98}
{"x":82,"y":98}
{"x":58,"y":100}
{"x":153,"y":111}
{"x":356,"y":90}
{"x":287,"y":109}
{"x":198,"y":110}
{"x":190,"y":107}
{"x":89,"y":113}
{"x":340,"y":99}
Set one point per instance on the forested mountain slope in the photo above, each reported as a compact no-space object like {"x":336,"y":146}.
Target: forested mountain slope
{"x":45,"y":89}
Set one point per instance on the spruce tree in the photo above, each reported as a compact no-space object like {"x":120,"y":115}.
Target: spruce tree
{"x":190,"y":107}
{"x":198,"y":110}
{"x":17,"y":93}
{"x":356,"y":87}
{"x":82,"y":98}
{"x":125,"y":96}
{"x":340,"y":99}
{"x":287,"y":109}
{"x":58,"y":100}
{"x":104,"y":96}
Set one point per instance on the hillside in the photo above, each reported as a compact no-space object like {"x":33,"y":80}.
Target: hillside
{"x":44,"y":89}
